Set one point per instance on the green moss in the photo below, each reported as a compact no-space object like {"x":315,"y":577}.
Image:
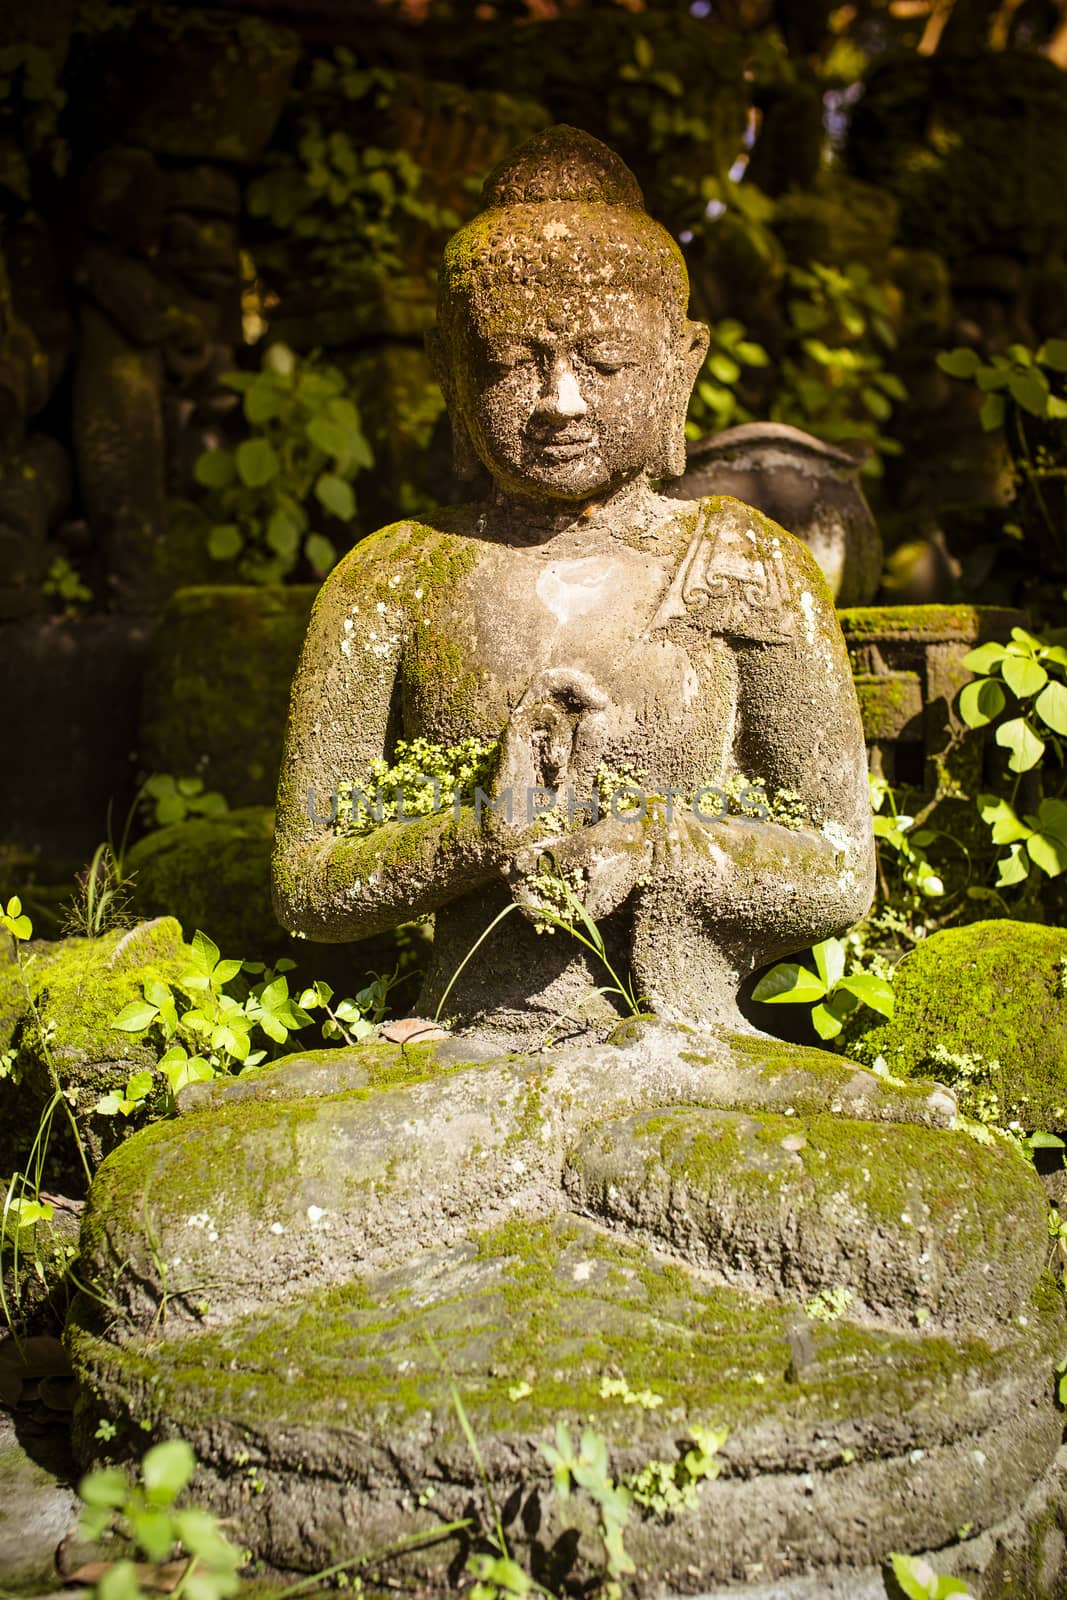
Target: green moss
{"x":991,"y":990}
{"x":888,"y":703}
{"x":78,"y":987}
{"x":930,"y":624}
{"x":557,"y":1306}
{"x":212,"y":873}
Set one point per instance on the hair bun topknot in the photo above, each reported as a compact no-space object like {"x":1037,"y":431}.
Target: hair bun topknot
{"x":564,"y":164}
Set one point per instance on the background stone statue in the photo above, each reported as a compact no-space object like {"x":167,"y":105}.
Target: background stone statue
{"x":587,"y":623}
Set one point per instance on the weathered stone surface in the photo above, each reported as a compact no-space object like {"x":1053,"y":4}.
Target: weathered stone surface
{"x":907,"y":663}
{"x":686,"y":1265}
{"x":38,"y":1508}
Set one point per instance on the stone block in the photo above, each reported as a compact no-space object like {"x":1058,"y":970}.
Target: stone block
{"x":216,"y":687}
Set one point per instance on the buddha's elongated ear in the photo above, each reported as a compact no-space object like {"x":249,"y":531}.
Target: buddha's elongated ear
{"x":465,"y":462}
{"x":692,"y":348}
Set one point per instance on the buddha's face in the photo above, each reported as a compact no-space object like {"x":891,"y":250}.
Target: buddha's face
{"x":565,"y":392}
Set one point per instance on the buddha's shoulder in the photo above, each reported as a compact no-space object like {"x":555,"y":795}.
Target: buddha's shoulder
{"x":732,"y":527}
{"x":434,"y":549}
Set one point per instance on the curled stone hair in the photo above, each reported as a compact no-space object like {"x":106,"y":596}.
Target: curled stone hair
{"x":562,"y":209}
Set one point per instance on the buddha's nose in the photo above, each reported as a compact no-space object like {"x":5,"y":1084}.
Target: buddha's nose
{"x":562,"y":399}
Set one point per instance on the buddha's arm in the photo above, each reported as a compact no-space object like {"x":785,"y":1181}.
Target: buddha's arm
{"x":344,"y":714}
{"x":799,"y":730}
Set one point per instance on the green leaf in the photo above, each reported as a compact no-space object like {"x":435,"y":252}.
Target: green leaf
{"x":320,"y":552}
{"x":139,"y":1085}
{"x":263,"y":401}
{"x":981,"y":702}
{"x":1012,"y":868}
{"x":120,"y":1582}
{"x":1023,"y":676}
{"x":336,"y":495}
{"x":257,"y":463}
{"x":224,"y":541}
{"x":830,"y":961}
{"x":985,"y":658}
{"x":107,"y":1487}
{"x":991,"y":415}
{"x":876,"y":403}
{"x":999,"y":816}
{"x":166,"y":1469}
{"x":1047,"y":852}
{"x":915,"y":1577}
{"x":1051,"y":707}
{"x":283,"y":532}
{"x":720,"y":366}
{"x":135,"y":1017}
{"x":110,"y":1105}
{"x":153,"y":1530}
{"x":1018,"y":737}
{"x":871,"y":990}
{"x":1053,"y":353}
{"x":225,"y":970}
{"x":205,"y":952}
{"x":1030,"y":390}
{"x":826,"y":1025}
{"x":959,"y":362}
{"x":214,"y":469}
{"x":789,"y":983}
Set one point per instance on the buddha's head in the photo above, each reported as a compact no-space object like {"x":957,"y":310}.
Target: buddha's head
{"x":563,"y":344}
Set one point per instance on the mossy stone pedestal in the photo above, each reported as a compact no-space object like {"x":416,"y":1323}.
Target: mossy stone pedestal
{"x":768,"y":1238}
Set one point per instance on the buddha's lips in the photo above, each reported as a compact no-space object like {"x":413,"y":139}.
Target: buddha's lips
{"x":563,"y":448}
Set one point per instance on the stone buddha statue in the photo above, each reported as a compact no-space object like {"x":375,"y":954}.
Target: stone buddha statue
{"x":587,"y":624}
{"x":662,"y":1227}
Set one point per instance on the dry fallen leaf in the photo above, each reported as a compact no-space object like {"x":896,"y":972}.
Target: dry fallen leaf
{"x":409,"y":1028}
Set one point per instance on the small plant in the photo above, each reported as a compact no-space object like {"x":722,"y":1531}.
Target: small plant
{"x":337,"y":197}
{"x":164,"y":799}
{"x":834,"y":380}
{"x":213,"y":1033}
{"x":1018,"y":382}
{"x":211,"y":1036}
{"x":829,"y":1305}
{"x":305,"y":446}
{"x":143,"y":1514}
{"x":917,"y":1580}
{"x":715,"y":403}
{"x":1033,"y":673}
{"x":667,"y":1487}
{"x":587,"y":1468}
{"x":63,"y":584}
{"x":22,"y":1201}
{"x":832,"y":995}
{"x":1025,"y":394}
{"x":102,"y":900}
{"x":422,"y":778}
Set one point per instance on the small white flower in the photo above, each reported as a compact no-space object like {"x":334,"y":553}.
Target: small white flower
{"x":380,"y":608}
